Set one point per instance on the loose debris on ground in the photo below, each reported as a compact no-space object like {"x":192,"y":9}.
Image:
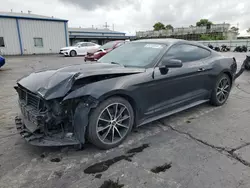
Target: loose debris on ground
{"x":111,"y":184}
{"x":55,"y":160}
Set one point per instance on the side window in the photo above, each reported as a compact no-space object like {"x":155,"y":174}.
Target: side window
{"x":90,"y":44}
{"x":2,"y":42}
{"x":38,"y":42}
{"x":186,"y":53}
{"x":83,"y":45}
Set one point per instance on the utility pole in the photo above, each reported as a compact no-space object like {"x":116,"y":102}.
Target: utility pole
{"x":106,"y":25}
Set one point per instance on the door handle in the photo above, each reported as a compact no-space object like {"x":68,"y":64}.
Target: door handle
{"x":201,"y":69}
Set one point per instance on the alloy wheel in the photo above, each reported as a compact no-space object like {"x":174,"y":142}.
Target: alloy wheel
{"x":223,"y":90}
{"x":113,"y":123}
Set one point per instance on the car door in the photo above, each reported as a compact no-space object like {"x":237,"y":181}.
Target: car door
{"x":82,"y":49}
{"x":180,"y":86}
{"x":91,"y":47}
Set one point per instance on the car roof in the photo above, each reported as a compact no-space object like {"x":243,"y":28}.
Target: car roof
{"x":167,"y":41}
{"x":171,"y":41}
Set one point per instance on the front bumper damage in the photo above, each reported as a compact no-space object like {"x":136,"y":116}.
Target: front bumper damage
{"x":44,"y":128}
{"x":43,"y":139}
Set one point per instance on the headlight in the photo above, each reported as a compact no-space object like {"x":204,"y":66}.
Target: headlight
{"x":57,"y":108}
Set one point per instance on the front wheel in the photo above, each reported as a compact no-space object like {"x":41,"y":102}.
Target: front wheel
{"x":73,"y":53}
{"x":110,"y":123}
{"x":221,"y":90}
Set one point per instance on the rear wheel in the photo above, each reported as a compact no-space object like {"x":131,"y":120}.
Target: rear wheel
{"x":221,"y":90}
{"x":73,"y":53}
{"x":110,"y":123}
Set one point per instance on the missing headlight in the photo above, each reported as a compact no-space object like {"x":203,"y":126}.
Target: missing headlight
{"x":57,"y":108}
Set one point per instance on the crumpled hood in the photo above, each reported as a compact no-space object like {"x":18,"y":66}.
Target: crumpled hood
{"x":57,"y":83}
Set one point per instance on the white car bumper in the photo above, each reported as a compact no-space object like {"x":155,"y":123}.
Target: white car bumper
{"x":65,"y":52}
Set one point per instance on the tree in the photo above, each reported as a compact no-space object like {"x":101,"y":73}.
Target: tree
{"x":248,"y":30}
{"x":159,"y":26}
{"x":235,"y":29}
{"x":169,"y":27}
{"x":204,"y":22}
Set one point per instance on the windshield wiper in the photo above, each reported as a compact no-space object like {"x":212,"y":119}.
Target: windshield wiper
{"x":117,"y":63}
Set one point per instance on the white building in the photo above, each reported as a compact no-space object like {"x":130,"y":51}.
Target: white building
{"x":191,"y":33}
{"x":22,"y":34}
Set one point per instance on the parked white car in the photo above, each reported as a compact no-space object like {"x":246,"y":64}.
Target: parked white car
{"x":80,"y":48}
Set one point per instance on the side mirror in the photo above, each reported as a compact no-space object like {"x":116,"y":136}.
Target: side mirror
{"x":171,"y":63}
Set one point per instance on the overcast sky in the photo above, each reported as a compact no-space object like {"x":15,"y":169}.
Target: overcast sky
{"x":135,"y":15}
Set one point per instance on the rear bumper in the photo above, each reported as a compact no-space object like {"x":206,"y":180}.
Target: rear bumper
{"x":90,"y":58}
{"x":40,"y":139}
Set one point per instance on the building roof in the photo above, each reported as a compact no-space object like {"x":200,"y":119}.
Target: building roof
{"x":92,"y":30}
{"x":29,"y":16}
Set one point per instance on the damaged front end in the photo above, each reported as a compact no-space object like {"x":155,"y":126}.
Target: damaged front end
{"x":54,"y":122}
{"x":55,"y":104}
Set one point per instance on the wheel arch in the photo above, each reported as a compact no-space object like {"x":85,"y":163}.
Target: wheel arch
{"x":229,"y":75}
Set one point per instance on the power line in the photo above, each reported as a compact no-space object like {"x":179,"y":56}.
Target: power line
{"x":106,"y":25}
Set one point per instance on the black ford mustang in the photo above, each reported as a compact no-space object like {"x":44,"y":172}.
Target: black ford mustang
{"x":135,"y":84}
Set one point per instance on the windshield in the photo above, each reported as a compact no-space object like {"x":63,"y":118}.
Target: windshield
{"x":108,"y":45}
{"x":134,"y":54}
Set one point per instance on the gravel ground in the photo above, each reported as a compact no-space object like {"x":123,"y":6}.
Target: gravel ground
{"x":201,"y":147}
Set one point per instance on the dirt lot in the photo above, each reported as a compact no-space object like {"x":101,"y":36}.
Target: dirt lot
{"x":200,"y":148}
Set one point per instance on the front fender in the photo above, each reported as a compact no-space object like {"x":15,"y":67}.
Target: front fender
{"x":99,"y":90}
{"x":97,"y":94}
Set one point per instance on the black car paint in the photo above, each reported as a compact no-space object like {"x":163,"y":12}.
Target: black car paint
{"x":152,"y":93}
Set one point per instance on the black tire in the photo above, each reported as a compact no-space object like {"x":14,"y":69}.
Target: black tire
{"x":216,"y":98}
{"x":96,"y":122}
{"x":72,"y":53}
{"x":247,"y":65}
